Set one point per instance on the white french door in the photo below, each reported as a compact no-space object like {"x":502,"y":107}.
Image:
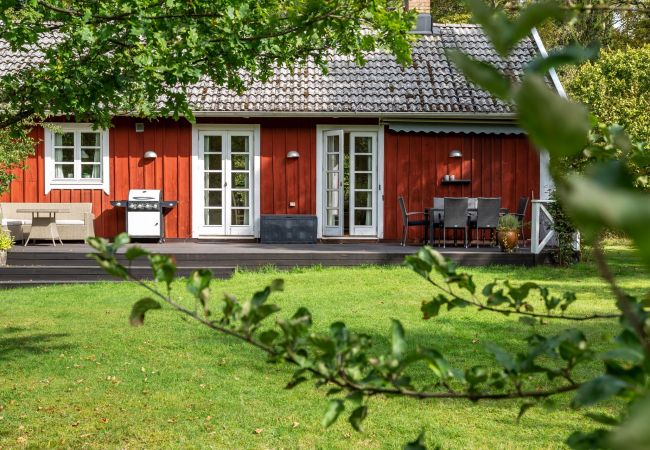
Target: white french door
{"x":224,"y":191}
{"x":350,"y":189}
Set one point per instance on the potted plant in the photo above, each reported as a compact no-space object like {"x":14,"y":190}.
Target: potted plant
{"x":6,"y":242}
{"x":508,"y":232}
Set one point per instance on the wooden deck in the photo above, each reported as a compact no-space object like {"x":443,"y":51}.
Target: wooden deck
{"x":45,"y":264}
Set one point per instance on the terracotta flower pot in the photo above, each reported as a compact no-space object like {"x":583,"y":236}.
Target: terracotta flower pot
{"x":507,"y":240}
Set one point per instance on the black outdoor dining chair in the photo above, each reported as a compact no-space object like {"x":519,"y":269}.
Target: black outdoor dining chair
{"x":522,"y":206}
{"x":455,"y":217}
{"x":487,"y":216}
{"x":407,"y":222}
{"x":436,"y":216}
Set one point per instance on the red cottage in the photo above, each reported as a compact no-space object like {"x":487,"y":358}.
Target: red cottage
{"x":342,"y":147}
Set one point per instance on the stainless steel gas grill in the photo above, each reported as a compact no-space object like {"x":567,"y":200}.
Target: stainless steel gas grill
{"x":144,"y":213}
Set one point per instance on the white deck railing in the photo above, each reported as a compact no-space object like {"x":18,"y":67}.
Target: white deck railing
{"x":541,"y":232}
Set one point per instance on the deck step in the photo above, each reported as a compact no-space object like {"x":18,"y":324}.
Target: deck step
{"x":12,"y":276}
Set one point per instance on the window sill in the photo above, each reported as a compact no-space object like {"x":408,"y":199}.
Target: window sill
{"x":77,"y":185}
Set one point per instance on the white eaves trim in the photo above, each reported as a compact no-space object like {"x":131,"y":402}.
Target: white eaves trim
{"x":51,"y":182}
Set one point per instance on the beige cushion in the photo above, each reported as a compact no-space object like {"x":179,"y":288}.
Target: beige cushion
{"x":9,"y":222}
{"x":69,"y":222}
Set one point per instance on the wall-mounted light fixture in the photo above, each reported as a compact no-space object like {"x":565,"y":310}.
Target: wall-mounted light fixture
{"x":150,"y":154}
{"x":455,"y":154}
{"x":139,"y":127}
{"x":293,"y":154}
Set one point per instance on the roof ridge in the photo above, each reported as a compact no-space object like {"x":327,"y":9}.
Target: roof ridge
{"x":456,"y":25}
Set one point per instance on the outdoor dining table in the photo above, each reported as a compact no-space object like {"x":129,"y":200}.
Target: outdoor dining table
{"x":43,"y":223}
{"x":470,"y":212}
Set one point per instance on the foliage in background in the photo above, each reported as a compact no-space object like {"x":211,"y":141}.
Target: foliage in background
{"x":564,"y":229}
{"x":6,"y":240}
{"x":15,"y":146}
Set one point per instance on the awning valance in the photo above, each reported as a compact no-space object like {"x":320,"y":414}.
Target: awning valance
{"x":462,"y":128}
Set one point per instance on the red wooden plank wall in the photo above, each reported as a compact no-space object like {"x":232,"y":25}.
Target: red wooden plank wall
{"x":414,"y":165}
{"x":288,"y":180}
{"x":171,"y":172}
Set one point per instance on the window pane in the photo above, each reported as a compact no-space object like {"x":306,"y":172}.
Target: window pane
{"x":239,"y":198}
{"x":239,"y":144}
{"x":91,"y":155}
{"x":239,"y":217}
{"x":362,"y":181}
{"x":213,"y":180}
{"x":240,"y":180}
{"x":90,"y":139}
{"x":363,"y":163}
{"x":64,"y":155}
{"x":64,"y":139}
{"x":363,"y":199}
{"x":63,"y":171}
{"x":363,"y":217}
{"x":239,"y":162}
{"x":212,"y":216}
{"x":213,"y":198}
{"x":362,"y":145}
{"x":212,"y":162}
{"x":212,"y":144}
{"x":90,"y":171}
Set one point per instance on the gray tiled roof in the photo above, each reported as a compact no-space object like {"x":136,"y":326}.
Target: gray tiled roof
{"x":430,"y":86}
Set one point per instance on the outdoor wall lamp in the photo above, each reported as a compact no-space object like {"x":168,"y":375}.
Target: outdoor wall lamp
{"x":293,"y":154}
{"x":455,"y":154}
{"x":150,"y":154}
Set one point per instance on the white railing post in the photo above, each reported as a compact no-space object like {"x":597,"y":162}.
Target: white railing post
{"x":534,"y":229}
{"x":539,"y":211}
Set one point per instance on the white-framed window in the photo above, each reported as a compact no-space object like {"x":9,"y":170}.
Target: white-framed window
{"x":76,"y":157}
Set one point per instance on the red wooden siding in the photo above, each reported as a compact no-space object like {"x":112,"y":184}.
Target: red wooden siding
{"x":414,"y":165}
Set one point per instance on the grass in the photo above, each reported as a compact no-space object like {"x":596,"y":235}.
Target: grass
{"x":73,"y":373}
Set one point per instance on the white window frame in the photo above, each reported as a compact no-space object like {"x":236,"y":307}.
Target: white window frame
{"x":75,"y":183}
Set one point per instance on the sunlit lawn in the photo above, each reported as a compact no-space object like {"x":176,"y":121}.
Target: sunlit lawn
{"x":73,"y":373}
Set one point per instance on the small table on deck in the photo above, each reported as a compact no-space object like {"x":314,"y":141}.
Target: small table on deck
{"x":43,"y":223}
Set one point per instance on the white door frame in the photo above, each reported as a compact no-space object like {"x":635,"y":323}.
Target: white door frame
{"x":379,"y":129}
{"x":197,"y":178}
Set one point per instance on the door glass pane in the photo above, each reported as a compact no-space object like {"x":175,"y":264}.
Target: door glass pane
{"x":363,"y":199}
{"x":240,"y":162}
{"x":90,"y":171}
{"x":64,"y":155}
{"x":212,"y":162}
{"x":363,"y":181}
{"x":65,"y":139}
{"x":239,"y":144}
{"x":332,"y":180}
{"x":362,"y":163}
{"x":332,"y":217}
{"x":212,"y":144}
{"x":90,"y":139}
{"x":213,"y":216}
{"x":64,"y":171}
{"x":332,"y":199}
{"x":213,"y":180}
{"x":363,"y":217}
{"x":362,"y":144}
{"x":239,"y":217}
{"x":333,"y":162}
{"x":240,"y":198}
{"x":240,"y":180}
{"x":333,"y":144}
{"x":213,"y":198}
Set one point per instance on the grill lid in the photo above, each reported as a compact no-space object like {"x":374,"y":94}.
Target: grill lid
{"x":144,"y":195}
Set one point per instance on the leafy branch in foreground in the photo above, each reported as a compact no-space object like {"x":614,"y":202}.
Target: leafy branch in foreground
{"x":351,"y":365}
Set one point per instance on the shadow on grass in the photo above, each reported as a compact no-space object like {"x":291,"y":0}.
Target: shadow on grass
{"x":13,"y":346}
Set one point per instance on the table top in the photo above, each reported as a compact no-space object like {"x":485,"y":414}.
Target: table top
{"x":43,"y":210}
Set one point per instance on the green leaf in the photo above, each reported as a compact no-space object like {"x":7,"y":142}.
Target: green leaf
{"x":553,"y":123}
{"x":597,"y":390}
{"x":120,"y":240}
{"x":417,"y":444}
{"x":139,"y":310}
{"x":358,"y":416}
{"x":198,"y":284}
{"x":398,"y":341}
{"x":596,"y":439}
{"x":135,"y":252}
{"x":484,"y":75}
{"x":334,"y":409}
{"x":163,"y":268}
{"x":571,"y":54}
{"x":268,"y":337}
{"x":523,"y":408}
{"x":504,"y":358}
{"x":603,"y":418}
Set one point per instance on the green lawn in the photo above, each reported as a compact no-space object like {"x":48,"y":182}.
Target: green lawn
{"x":73,"y":373}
